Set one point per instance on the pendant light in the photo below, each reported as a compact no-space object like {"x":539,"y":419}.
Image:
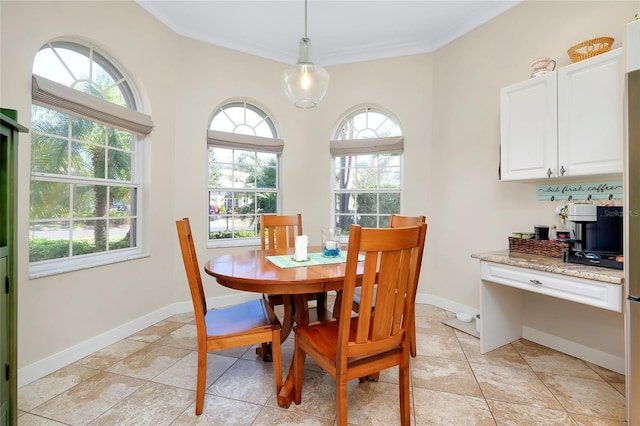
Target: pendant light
{"x":305,"y":83}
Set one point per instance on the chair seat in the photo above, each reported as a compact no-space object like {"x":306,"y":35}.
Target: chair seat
{"x":252,"y":316}
{"x":323,"y":336}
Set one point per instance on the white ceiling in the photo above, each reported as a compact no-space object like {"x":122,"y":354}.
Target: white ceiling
{"x":340,"y":31}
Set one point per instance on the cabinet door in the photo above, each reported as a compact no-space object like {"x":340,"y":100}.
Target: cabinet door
{"x":590,"y":122}
{"x":528,"y":127}
{"x":4,"y":347}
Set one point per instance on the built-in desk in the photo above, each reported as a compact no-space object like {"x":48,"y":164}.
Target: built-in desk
{"x":509,"y":279}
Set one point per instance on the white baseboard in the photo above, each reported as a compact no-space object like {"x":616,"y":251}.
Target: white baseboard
{"x":449,"y":305}
{"x":70,"y":355}
{"x":586,"y":353}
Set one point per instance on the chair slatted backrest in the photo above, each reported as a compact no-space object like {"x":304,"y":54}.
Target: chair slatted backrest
{"x":391,"y":264}
{"x":397,"y":221}
{"x":279,"y":232}
{"x":192,"y":269}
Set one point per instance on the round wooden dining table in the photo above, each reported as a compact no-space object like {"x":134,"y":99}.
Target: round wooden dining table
{"x":252,"y":271}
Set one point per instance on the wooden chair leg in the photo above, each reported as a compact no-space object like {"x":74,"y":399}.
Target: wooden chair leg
{"x":341,"y":403}
{"x":201,"y":380}
{"x":276,"y":354}
{"x":412,"y":336}
{"x":265,"y":352}
{"x":405,"y":404}
{"x":337,"y":305}
{"x":299,"y":356}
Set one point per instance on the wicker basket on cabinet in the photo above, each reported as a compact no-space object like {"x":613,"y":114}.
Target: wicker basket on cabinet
{"x":540,"y":247}
{"x":589,"y":48}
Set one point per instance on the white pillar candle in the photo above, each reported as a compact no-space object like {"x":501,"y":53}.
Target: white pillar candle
{"x":331,"y":245}
{"x":301,"y":248}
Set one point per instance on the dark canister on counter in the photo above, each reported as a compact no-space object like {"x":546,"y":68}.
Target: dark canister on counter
{"x":541,"y":232}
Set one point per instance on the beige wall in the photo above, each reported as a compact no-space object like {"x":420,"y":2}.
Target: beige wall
{"x":447,"y":103}
{"x":478,"y":212}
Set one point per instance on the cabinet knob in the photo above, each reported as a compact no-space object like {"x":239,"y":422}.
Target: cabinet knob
{"x":562,"y":170}
{"x":536,"y":282}
{"x":549,"y":173}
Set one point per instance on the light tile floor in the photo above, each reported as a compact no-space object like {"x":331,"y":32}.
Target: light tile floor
{"x":149,"y":379}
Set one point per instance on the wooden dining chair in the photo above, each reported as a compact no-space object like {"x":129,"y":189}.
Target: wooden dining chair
{"x":279,"y":233}
{"x":353,"y":347}
{"x":244,"y":324}
{"x":397,"y":221}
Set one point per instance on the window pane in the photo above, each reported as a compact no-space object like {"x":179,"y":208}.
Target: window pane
{"x":267,"y":202}
{"x":87,"y":160}
{"x":120,"y":165}
{"x":84,"y":200}
{"x":121,"y":201}
{"x":390,"y":177}
{"x":221,"y":175}
{"x":368,"y":221}
{"x":265,"y":130}
{"x":245,"y":203}
{"x":120,"y":139}
{"x":89,"y":236}
{"x":235,"y":114}
{"x":49,"y":154}
{"x":221,"y":155}
{"x":48,"y":121}
{"x":76,"y":62}
{"x":345,"y":202}
{"x":47,"y":65}
{"x":389,"y":203}
{"x":88,"y":131}
{"x":223,"y":123}
{"x":120,"y":234}
{"x":48,"y":240}
{"x":49,"y":200}
{"x":367,"y":203}
{"x":375,"y":120}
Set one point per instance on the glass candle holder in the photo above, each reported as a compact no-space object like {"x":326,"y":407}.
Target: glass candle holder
{"x":331,"y":242}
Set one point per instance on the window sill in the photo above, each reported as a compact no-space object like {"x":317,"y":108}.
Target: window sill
{"x":56,"y":267}
{"x":233,"y":242}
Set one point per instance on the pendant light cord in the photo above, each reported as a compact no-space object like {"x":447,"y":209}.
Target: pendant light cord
{"x":305,"y":19}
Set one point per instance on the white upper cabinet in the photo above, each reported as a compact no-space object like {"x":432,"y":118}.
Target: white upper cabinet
{"x":590,"y":120}
{"x":566,"y":123}
{"x":529,"y":128}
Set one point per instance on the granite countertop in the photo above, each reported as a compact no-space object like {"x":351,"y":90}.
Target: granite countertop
{"x":553,"y":265}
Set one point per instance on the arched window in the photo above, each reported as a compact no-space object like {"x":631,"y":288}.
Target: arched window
{"x":367,"y":155}
{"x":244,"y":155}
{"x":85,"y":160}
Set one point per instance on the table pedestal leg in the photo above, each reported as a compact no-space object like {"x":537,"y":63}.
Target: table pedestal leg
{"x":301,"y":316}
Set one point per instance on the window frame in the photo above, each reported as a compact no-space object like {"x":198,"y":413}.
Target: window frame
{"x":74,"y":103}
{"x":249,"y":143}
{"x":365,"y":146}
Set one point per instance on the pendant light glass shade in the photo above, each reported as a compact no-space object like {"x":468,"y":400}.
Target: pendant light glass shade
{"x":305,"y":83}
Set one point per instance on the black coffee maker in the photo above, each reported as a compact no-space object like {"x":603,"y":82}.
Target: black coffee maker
{"x":598,"y":234}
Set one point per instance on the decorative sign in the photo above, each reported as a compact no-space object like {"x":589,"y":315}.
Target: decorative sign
{"x":580,"y":191}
